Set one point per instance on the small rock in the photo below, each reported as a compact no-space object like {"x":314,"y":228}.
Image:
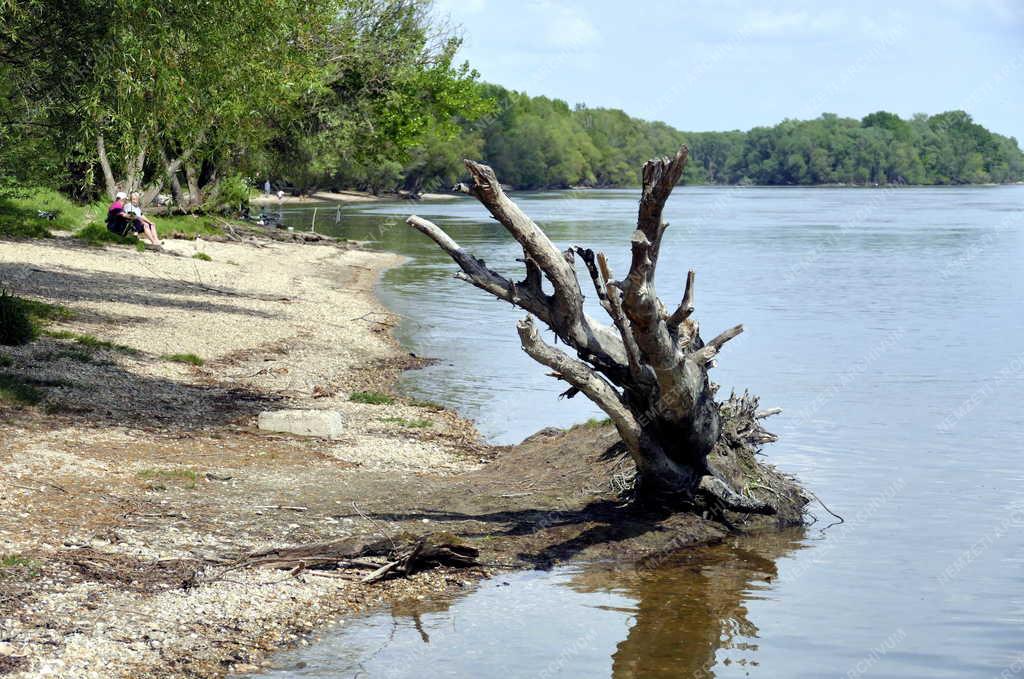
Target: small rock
{"x":325,"y":424}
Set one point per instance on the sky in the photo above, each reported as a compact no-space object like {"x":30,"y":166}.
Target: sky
{"x":724,"y":64}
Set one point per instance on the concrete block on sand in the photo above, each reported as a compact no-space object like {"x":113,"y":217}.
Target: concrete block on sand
{"x":324,"y":424}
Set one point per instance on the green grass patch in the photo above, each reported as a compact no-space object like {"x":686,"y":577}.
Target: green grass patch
{"x":26,"y":226}
{"x":411,"y":424}
{"x":191,"y":359}
{"x":595,"y":423}
{"x":185,"y":226}
{"x":202,"y":257}
{"x":19,"y":213}
{"x":372,"y":397}
{"x":98,"y":234}
{"x":158,"y":478}
{"x":6,"y":361}
{"x":18,"y":565}
{"x":90,"y":341}
{"x":429,"y":405}
{"x":71,"y":354}
{"x":18,"y":392}
{"x":44,"y":312}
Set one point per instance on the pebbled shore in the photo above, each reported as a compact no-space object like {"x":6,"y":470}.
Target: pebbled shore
{"x":135,"y":466}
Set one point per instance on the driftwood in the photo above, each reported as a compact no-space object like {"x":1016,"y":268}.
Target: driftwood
{"x":403,"y":559}
{"x":647,"y":369}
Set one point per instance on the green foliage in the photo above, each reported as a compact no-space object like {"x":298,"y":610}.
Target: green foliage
{"x":43,"y":313}
{"x":16,"y":326}
{"x":90,"y":341}
{"x":78,"y":355}
{"x":20,"y":211}
{"x":202,"y":257}
{"x":365,"y":94}
{"x":372,"y":397}
{"x":23,"y":227}
{"x":538,"y":142}
{"x":186,"y":226}
{"x":410,"y":424}
{"x":19,"y":565}
{"x":191,"y":359}
{"x":15,"y":391}
{"x":595,"y":423}
{"x":98,"y":235}
{"x":230,"y":192}
{"x":6,"y":361}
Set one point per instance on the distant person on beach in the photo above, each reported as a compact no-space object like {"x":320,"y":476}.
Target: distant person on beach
{"x":134,"y":208}
{"x":266,"y":187}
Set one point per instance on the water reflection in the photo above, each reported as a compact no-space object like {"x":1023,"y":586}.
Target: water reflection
{"x":680,"y":615}
{"x":691,"y":618}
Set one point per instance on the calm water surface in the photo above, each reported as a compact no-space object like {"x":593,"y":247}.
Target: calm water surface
{"x":888,"y":324}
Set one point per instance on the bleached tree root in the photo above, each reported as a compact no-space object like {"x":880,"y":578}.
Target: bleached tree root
{"x":647,"y":369}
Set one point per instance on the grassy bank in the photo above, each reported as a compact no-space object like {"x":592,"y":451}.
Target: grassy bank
{"x":36,"y":212}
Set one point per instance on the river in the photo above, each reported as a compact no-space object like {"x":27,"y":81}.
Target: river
{"x":888,"y":325}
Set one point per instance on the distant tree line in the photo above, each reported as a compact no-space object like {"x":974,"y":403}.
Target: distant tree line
{"x":537,"y":142}
{"x":202,"y":101}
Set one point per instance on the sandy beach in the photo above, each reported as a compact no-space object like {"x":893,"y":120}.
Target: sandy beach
{"x":135,"y":466}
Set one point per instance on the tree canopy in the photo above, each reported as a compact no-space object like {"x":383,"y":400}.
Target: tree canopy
{"x":202,"y":99}
{"x":138,"y":93}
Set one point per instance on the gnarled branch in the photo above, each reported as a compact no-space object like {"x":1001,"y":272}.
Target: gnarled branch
{"x":482,"y":277}
{"x":582,"y":377}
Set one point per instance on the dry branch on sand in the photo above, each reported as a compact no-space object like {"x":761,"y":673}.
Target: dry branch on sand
{"x":402,"y":559}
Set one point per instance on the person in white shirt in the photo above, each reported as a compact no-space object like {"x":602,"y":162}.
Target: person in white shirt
{"x":134,"y":209}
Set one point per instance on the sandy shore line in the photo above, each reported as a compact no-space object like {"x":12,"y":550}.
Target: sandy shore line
{"x":134,"y":466}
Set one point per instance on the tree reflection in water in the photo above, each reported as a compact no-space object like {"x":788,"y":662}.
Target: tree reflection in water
{"x":691,"y":607}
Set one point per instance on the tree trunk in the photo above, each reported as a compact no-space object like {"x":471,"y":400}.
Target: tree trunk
{"x":133,"y":173}
{"x":171,"y":173}
{"x":648,"y":370}
{"x":108,"y":173}
{"x":195,"y":194}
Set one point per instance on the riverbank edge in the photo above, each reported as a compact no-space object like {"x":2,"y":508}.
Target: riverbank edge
{"x":311,"y":607}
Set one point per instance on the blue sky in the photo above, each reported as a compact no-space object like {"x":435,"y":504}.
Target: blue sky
{"x":724,"y":64}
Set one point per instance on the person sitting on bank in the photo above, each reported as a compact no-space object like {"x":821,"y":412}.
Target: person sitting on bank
{"x":134,"y":209}
{"x":118,"y":220}
{"x":122,"y":222}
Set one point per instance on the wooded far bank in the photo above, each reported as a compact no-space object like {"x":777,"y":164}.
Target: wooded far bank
{"x":163,"y":97}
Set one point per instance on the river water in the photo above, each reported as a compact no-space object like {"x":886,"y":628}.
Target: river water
{"x":889,"y":326}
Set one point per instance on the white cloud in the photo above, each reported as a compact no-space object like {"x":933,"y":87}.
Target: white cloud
{"x":457,"y":8}
{"x":799,"y":22}
{"x":566,"y":27}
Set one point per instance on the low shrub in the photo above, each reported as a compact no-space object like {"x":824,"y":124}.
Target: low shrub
{"x":15,"y":391}
{"x":16,"y":326}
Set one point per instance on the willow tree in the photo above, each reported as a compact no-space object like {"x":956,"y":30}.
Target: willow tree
{"x":648,"y":368}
